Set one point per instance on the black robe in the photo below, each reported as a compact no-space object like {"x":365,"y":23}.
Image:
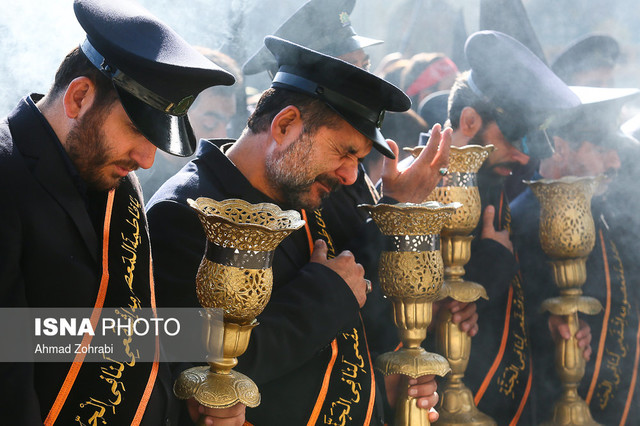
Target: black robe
{"x":310,"y":306}
{"x":610,"y":384}
{"x":50,"y":256}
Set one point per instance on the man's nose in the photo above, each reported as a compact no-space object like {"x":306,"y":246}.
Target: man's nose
{"x":144,"y":154}
{"x":348,"y":171}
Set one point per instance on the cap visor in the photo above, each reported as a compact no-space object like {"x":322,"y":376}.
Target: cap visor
{"x":368,"y":129}
{"x":169,"y":133}
{"x":366,"y":41}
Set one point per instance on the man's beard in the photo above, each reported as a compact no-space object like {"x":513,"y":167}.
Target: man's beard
{"x":87,"y":148}
{"x":290,"y":174}
{"x":479,"y":139}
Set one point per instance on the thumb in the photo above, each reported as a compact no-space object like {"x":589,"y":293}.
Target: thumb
{"x":487,"y":220}
{"x":319,"y":254}
{"x":389,"y":165}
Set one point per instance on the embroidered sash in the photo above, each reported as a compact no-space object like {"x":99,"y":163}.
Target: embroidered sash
{"x":347,"y":395}
{"x":114,"y":392}
{"x":507,"y":384}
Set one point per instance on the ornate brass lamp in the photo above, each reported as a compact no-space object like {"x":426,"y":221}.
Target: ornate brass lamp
{"x":460,"y":185}
{"x":234,"y":275}
{"x":567,"y":235}
{"x":411,"y":272}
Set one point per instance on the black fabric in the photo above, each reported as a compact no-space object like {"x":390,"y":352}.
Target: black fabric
{"x":496,"y":268}
{"x":524,"y":91}
{"x":310,"y":304}
{"x":616,"y":368}
{"x":49,"y":256}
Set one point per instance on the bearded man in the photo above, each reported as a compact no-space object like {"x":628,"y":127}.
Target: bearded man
{"x":68,"y":197}
{"x":304,"y":140}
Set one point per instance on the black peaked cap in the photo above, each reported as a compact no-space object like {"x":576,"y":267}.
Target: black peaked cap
{"x":358,"y":96}
{"x":434,"y":108}
{"x":588,"y":52}
{"x":320,"y":25}
{"x":156,"y":73}
{"x":526,"y":94}
{"x":598,"y":116}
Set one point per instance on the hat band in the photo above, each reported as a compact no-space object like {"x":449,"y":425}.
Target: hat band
{"x":329,"y":96}
{"x":130,"y":85}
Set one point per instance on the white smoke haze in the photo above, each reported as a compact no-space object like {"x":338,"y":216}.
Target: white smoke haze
{"x":36,"y":34}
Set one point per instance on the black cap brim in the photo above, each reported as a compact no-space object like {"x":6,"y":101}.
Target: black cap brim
{"x":355,"y":94}
{"x":170,"y":133}
{"x":365,"y":128}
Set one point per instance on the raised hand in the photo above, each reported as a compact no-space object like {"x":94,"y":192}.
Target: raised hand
{"x":415,"y":183}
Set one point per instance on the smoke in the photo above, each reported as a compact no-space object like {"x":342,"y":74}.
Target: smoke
{"x":37,"y":34}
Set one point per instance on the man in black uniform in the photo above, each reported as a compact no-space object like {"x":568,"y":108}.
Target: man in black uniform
{"x":586,"y":146}
{"x":68,"y":199}
{"x":507,"y":94}
{"x":325,"y":26}
{"x":304,"y":140}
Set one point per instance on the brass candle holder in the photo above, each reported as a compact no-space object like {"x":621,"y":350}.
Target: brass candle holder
{"x":411,"y":272}
{"x":567,"y":235}
{"x":457,"y":406}
{"x":234,"y":275}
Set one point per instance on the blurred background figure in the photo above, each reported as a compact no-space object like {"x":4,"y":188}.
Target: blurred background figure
{"x":433,"y":109}
{"x":588,"y":61}
{"x":321,"y":25}
{"x":392,"y":69}
{"x":212,"y":110}
{"x":587,"y":145}
{"x":210,"y":116}
{"x":425,"y":74}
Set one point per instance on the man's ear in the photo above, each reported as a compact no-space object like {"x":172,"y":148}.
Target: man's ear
{"x":470,"y":122}
{"x":287,"y":125}
{"x":79,"y":97}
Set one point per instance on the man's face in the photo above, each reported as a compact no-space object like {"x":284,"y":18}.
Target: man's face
{"x":594,"y":77}
{"x":505,"y":157}
{"x":357,"y":58}
{"x":591,"y":160}
{"x":105,"y":146}
{"x":211,"y":113}
{"x":308,"y":169}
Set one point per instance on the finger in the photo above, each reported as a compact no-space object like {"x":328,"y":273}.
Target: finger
{"x":427,"y":402}
{"x":474,"y":330}
{"x":469,"y":323}
{"x":564,"y":332}
{"x":427,"y":378}
{"x":464,"y":312}
{"x":347,"y":254}
{"x":433,"y":415}
{"x":390,"y":165}
{"x":441,"y":158}
{"x":586,"y":354}
{"x":487,"y":219}
{"x":319,"y":251}
{"x":429,"y":152}
{"x":423,"y":390}
{"x":453,"y":305}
